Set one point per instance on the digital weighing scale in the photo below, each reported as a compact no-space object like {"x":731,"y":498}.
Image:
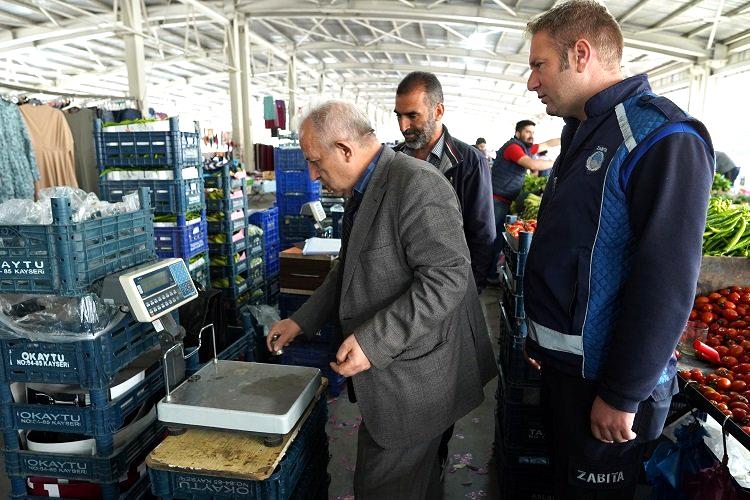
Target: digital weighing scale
{"x":249,"y":397}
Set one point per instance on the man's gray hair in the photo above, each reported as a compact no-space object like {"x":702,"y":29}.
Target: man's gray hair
{"x":339,"y":120}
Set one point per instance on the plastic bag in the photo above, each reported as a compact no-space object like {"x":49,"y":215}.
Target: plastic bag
{"x":266,"y":316}
{"x":84,"y":206}
{"x":50,"y":318}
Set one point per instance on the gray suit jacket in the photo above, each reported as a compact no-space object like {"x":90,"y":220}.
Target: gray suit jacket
{"x":409,"y":297}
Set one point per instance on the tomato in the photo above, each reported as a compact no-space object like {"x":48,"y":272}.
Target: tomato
{"x":712,"y":296}
{"x":721,"y":301}
{"x":693,"y":315}
{"x":745,"y":345}
{"x":722,"y":321}
{"x":707,"y":317}
{"x":723,"y":384}
{"x":746,"y":429}
{"x":734,"y":297}
{"x":736,"y":288}
{"x":745,"y":298}
{"x":706,"y":307}
{"x":725,"y":292}
{"x":741,"y":310}
{"x":720,"y":406}
{"x":722,"y":350}
{"x":728,"y":361}
{"x":739,"y":414}
{"x":739,"y":399}
{"x":738,"y":404}
{"x":713,"y":342}
{"x":730,"y":314}
{"x":738,"y":385}
{"x":696,"y":375}
{"x":739,"y":324}
{"x":741,"y":368}
{"x":729,"y":305}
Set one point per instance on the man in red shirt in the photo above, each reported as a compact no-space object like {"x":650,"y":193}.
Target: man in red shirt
{"x":508,"y":172}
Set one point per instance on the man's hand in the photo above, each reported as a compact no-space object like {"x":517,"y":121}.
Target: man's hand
{"x":534,"y":363}
{"x":610,"y":425}
{"x":350,"y":358}
{"x":286,"y":329}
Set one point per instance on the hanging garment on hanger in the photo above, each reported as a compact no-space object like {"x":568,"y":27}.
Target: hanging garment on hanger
{"x":53,"y":145}
{"x":81,"y":125}
{"x":269,"y":108}
{"x":18,"y":169}
{"x":281,"y":114}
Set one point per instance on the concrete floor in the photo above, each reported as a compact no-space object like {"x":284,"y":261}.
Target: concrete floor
{"x":473,"y":475}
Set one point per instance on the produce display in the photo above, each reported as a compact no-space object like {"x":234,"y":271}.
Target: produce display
{"x":521,"y":225}
{"x":534,"y":184}
{"x":531,"y":206}
{"x":727,"y":229}
{"x":726,"y":313}
{"x":721,"y":184}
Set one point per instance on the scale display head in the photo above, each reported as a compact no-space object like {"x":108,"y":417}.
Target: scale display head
{"x":152,"y":290}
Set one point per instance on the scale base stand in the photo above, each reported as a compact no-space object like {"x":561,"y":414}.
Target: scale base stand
{"x":273,"y":440}
{"x":176,"y":431}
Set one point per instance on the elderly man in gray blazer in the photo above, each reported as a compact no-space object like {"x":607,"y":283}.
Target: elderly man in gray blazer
{"x":415,"y":342}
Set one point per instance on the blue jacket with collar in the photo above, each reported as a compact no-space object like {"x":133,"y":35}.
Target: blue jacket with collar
{"x":612,"y":270}
{"x":471,"y":178}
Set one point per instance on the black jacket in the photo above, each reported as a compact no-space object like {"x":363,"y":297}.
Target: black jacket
{"x":471,"y":178}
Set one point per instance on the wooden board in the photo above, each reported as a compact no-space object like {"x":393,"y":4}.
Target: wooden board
{"x":228,"y":454}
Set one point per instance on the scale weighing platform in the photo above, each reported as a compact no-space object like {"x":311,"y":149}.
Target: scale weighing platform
{"x":258,"y":398}
{"x":236,"y":395}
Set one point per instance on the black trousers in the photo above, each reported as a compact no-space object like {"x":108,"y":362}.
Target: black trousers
{"x":586,"y":468}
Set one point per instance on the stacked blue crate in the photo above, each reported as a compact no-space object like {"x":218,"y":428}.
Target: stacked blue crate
{"x":294,"y":188}
{"x":169,"y":164}
{"x":268,"y":221}
{"x":230,"y":246}
{"x":317,"y":351}
{"x":306,"y":455}
{"x":521,"y":433}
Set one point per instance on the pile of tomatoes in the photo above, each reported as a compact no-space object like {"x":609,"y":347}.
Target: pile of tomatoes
{"x":726,"y":313}
{"x":520,"y":225}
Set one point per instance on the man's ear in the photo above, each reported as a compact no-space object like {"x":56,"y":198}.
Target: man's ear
{"x":582,"y":54}
{"x":345,"y":148}
{"x":439,"y":111}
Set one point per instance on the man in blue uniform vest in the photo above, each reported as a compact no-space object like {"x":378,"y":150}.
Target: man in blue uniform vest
{"x":512,"y":161}
{"x":612,"y":268}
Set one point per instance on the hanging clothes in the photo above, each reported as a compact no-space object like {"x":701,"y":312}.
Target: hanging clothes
{"x":18,"y":169}
{"x":281,"y":114}
{"x":53,"y":145}
{"x":81,"y":123}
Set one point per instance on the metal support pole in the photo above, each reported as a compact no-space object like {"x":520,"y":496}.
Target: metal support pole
{"x":135,"y":59}
{"x":699,"y":76}
{"x":247,"y":121}
{"x":235,"y":92}
{"x":292,"y":82}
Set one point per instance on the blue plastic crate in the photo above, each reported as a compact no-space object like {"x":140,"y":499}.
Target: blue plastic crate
{"x":291,"y":203}
{"x":97,"y":469}
{"x":233,"y":290}
{"x":139,"y":490}
{"x":522,"y":427}
{"x":89,"y":421}
{"x":231,"y":270}
{"x":227,"y":226}
{"x":516,"y":251}
{"x":200,"y":273}
{"x":226,"y":205}
{"x":271,"y":251}
{"x":527,"y":475}
{"x":296,"y":226}
{"x":167,"y":197}
{"x":182,"y":242}
{"x":289,"y":159}
{"x":215,"y":180}
{"x":267,"y":219}
{"x":147,"y":149}
{"x":228,"y":249}
{"x":65,"y":258}
{"x":314,"y":483}
{"x":272,"y":268}
{"x":88,"y":363}
{"x":297,"y":181}
{"x":280,"y":486}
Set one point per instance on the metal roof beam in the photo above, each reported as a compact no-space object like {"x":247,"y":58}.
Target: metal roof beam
{"x":454,"y":52}
{"x":405,"y":68}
